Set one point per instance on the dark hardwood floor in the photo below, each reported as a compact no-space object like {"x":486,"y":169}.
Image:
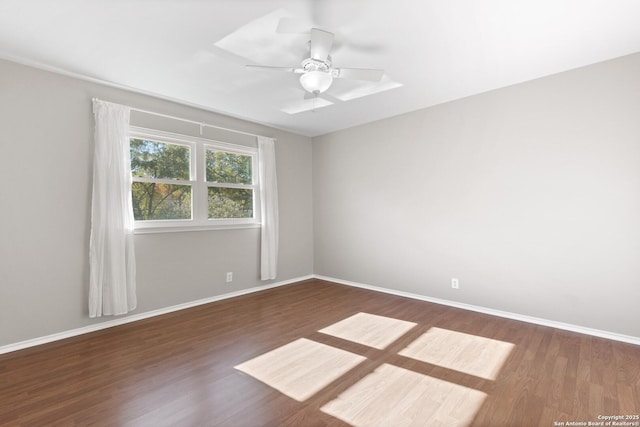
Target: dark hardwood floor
{"x":179,"y":369}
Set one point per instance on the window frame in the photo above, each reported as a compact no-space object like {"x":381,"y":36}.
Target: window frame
{"x":243,"y":151}
{"x":199,"y":185}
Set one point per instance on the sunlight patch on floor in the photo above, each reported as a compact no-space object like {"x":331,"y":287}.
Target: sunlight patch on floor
{"x":393,"y":396}
{"x":369,"y":329}
{"x":301,"y":368}
{"x":471,"y":354}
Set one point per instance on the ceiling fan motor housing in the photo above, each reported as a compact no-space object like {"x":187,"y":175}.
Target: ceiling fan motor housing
{"x":317,"y":72}
{"x":311,"y":64}
{"x":317,"y":76}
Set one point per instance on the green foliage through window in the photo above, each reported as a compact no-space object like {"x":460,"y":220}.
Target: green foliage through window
{"x":154,"y":160}
{"x":230,"y":203}
{"x":167,"y":187}
{"x":152,"y":201}
{"x":151,"y":159}
{"x":229,"y":168}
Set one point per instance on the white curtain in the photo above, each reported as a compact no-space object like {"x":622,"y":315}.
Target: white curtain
{"x":269,"y":210}
{"x":112,"y":287}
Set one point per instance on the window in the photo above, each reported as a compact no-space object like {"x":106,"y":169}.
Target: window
{"x":180,"y":182}
{"x":162,"y":180}
{"x":230,"y":184}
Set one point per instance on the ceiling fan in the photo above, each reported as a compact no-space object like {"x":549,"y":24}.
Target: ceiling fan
{"x":317,"y":71}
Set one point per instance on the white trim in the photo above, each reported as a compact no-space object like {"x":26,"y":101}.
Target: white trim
{"x":183,"y":139}
{"x":133,"y":318}
{"x":199,"y":185}
{"x":187,"y":228}
{"x":505,"y":314}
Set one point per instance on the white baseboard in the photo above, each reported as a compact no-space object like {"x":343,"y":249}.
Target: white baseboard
{"x":505,"y":314}
{"x":135,"y":317}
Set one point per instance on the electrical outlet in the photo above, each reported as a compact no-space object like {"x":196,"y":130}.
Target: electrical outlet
{"x":455,"y":284}
{"x":229,"y":276}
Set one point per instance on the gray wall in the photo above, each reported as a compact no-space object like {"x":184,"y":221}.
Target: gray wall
{"x":530,"y":195}
{"x":46,"y":126}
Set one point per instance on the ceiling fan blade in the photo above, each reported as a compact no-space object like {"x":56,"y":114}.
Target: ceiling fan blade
{"x":270,"y":68}
{"x":292,"y":26}
{"x":359,"y":74}
{"x":321,"y":42}
{"x":324,"y":95}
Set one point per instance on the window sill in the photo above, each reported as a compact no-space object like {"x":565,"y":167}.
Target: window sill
{"x":190,"y":228}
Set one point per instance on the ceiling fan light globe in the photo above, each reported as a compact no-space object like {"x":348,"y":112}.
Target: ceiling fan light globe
{"x":316,"y":81}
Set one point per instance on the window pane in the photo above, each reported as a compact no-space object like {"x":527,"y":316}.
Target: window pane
{"x":153,"y":201}
{"x":230,"y":203}
{"x":228,"y":167}
{"x":152,"y":159}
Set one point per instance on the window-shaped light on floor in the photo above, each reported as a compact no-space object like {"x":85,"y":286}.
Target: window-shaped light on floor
{"x":301,"y":368}
{"x":394,"y":396}
{"x":471,"y":354}
{"x":369,"y":329}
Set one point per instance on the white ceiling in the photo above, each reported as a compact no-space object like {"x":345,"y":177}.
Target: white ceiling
{"x":432,"y":51}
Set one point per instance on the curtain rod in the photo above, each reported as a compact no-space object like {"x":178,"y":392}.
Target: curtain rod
{"x":201,"y":124}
